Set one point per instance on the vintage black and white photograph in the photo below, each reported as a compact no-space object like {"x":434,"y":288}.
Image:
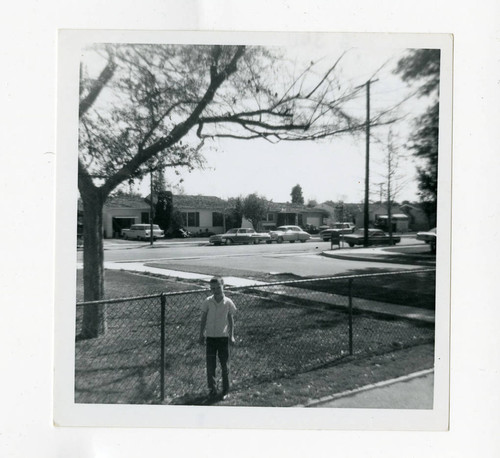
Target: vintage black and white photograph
{"x":255,"y":224}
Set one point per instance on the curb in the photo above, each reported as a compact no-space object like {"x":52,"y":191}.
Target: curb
{"x":369,"y":387}
{"x":378,"y":258}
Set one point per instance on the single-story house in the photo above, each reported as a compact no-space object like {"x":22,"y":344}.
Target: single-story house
{"x":281,"y":214}
{"x":399,"y":222}
{"x":377,"y":215}
{"x":339,"y":212}
{"x":121,"y":212}
{"x":201,"y":213}
{"x":377,"y":212}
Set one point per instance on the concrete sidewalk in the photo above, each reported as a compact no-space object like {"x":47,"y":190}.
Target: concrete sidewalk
{"x":412,"y":391}
{"x":141,"y":267}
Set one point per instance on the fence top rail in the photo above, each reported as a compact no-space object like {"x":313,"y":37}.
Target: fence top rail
{"x":257,"y":285}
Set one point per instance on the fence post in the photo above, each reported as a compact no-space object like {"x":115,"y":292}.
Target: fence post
{"x":162,"y":350}
{"x":350,"y":317}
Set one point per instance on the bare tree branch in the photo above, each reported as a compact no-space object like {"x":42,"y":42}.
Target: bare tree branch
{"x":97,"y":87}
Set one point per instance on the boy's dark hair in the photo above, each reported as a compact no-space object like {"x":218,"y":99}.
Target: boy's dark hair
{"x":217,"y":279}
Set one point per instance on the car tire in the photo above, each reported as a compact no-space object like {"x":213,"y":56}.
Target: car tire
{"x":229,"y":241}
{"x":280,"y":240}
{"x":269,"y":242}
{"x":292,"y":241}
{"x":303,"y":241}
{"x":351,"y":244}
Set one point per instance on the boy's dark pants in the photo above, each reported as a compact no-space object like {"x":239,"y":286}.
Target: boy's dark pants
{"x":218,"y":346}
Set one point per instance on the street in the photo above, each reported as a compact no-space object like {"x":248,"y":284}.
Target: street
{"x":299,"y":259}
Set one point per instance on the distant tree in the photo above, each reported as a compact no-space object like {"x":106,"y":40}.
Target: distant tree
{"x":234,"y":212}
{"x":255,"y":209}
{"x":296,"y":194}
{"x":394,"y":181}
{"x":312,"y":203}
{"x":177,"y":220}
{"x":163,"y":210}
{"x":423,"y":66}
{"x":159,"y":183}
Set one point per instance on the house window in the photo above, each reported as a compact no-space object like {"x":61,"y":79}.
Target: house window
{"x":191,"y":219}
{"x":145,"y":217}
{"x":270,"y":217}
{"x":217,"y":219}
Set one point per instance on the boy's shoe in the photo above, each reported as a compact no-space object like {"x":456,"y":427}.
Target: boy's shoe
{"x":225,"y":395}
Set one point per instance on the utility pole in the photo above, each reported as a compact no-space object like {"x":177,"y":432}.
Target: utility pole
{"x":389,"y":196}
{"x":151,"y":237}
{"x":367,"y":163}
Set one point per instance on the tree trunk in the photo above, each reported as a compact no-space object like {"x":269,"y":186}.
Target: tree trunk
{"x":94,"y":316}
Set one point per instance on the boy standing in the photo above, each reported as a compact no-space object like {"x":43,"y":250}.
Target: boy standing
{"x":217,"y":324}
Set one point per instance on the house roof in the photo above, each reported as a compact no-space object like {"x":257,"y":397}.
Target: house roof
{"x":126,"y":202}
{"x":287,"y":207}
{"x":198,"y":202}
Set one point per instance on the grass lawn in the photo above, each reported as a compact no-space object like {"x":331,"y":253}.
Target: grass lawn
{"x":285,"y":354}
{"x":410,"y":289}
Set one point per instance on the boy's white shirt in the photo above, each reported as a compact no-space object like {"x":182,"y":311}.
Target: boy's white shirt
{"x":217,"y":323}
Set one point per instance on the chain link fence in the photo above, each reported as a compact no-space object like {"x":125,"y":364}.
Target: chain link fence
{"x":150,"y":352}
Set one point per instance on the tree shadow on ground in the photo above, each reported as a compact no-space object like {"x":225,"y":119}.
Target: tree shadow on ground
{"x":197,"y":400}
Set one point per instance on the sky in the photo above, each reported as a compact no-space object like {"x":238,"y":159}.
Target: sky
{"x":328,"y":170}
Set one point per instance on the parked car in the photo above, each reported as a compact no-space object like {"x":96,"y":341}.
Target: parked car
{"x":341,"y":228}
{"x":326,"y":234}
{"x":344,"y":228}
{"x":142,"y":232}
{"x":311,"y":229}
{"x":375,"y":237}
{"x":288,"y":234}
{"x":239,"y":235}
{"x":429,"y":237}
